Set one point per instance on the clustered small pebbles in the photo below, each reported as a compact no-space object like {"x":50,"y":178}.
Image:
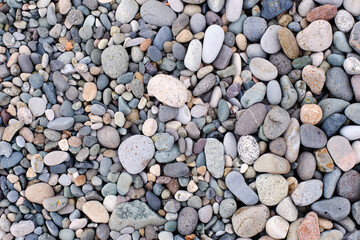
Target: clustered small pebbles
{"x":182,"y":119}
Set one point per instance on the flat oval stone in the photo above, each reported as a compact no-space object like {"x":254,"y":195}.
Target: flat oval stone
{"x":307,"y":166}
{"x":336,"y":208}
{"x":235,"y":182}
{"x":193,"y":55}
{"x":175,"y":170}
{"x":249,"y":221}
{"x":22,"y":228}
{"x":288,"y":43}
{"x":341,"y":152}
{"x":309,"y":227}
{"x":353,"y":112}
{"x":292,"y":140}
{"x":96,"y":211}
{"x":273,"y":92}
{"x":270,"y":41}
{"x":253,"y":95}
{"x":350,"y":132}
{"x":348,"y":185}
{"x":271,"y":163}
{"x":61,"y":123}
{"x":233,"y":9}
{"x":214,"y":155}
{"x":316,"y":37}
{"x":135,"y":153}
{"x":330,"y":181}
{"x":126,"y":11}
{"x":324,"y":12}
{"x":276,"y":122}
{"x":248,"y":149}
{"x":312,"y":136}
{"x":115,"y":61}
{"x":251,"y":119}
{"x":314,"y":77}
{"x":38,"y":192}
{"x":55,"y":203}
{"x":333,"y":123}
{"x":187,"y":221}
{"x":213,"y":40}
{"x":157,"y":13}
{"x":168,"y":90}
{"x":263,"y":69}
{"x":307,"y":192}
{"x":204,"y":85}
{"x":108,"y":137}
{"x":354,"y":39}
{"x":338,"y":84}
{"x":56,"y":157}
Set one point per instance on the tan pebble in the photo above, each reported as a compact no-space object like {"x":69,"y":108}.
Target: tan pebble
{"x":184,"y":36}
{"x":80,"y":180}
{"x":63,"y":145}
{"x":311,"y":114}
{"x":149,"y":127}
{"x":314,"y":77}
{"x":241,"y":41}
{"x":90,"y":91}
{"x":145,"y":44}
{"x":36,"y":193}
{"x":96,"y":212}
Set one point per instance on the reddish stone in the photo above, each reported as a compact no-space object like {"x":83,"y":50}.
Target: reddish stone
{"x":309,"y":227}
{"x":349,"y":185}
{"x":341,"y":152}
{"x":324,"y":12}
{"x":5,"y":116}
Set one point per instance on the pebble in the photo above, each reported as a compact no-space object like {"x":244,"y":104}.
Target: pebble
{"x":254,"y":28}
{"x":316,"y":37}
{"x":271,"y":189}
{"x":338,"y":84}
{"x":248,"y":149}
{"x":277,"y":227}
{"x":213,"y":40}
{"x":135,"y":153}
{"x":192,"y":59}
{"x":271,"y":163}
{"x":251,"y":119}
{"x":214,"y":155}
{"x":187,"y":221}
{"x":314,"y":78}
{"x":336,"y":208}
{"x":348,"y":185}
{"x":249,"y":221}
{"x":307,"y":192}
{"x":341,"y":152}
{"x":108,"y":137}
{"x":310,"y":114}
{"x":157,"y":13}
{"x":168,"y":90}
{"x":237,"y":185}
{"x":312,"y":136}
{"x":276,"y":122}
{"x":38,"y":192}
{"x":263,"y":69}
{"x":96,"y":211}
{"x":233,"y":9}
{"x":270,"y":41}
{"x":309,"y":227}
{"x":114,"y":60}
{"x":126,"y":11}
{"x":22,"y":228}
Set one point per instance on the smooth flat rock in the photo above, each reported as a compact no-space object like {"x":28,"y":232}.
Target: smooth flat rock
{"x":271,"y":188}
{"x":237,"y":185}
{"x":213,"y":40}
{"x":307,"y":192}
{"x":135,"y":153}
{"x":270,"y":41}
{"x":316,"y":37}
{"x":56,"y":157}
{"x":134,"y":214}
{"x":263,"y":69}
{"x":214,"y":155}
{"x":312,"y":136}
{"x":336,"y":208}
{"x":157,"y":13}
{"x":251,"y":119}
{"x":341,"y":152}
{"x":168,"y":90}
{"x":271,"y":163}
{"x":38,"y":192}
{"x":96,"y":212}
{"x":276,"y":122}
{"x":108,"y":137}
{"x":115,"y":61}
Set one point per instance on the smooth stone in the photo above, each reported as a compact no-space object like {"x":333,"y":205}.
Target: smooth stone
{"x":312,"y":136}
{"x":307,"y":166}
{"x":176,"y":170}
{"x":157,"y":13}
{"x":204,"y":85}
{"x":277,"y":227}
{"x":230,"y":144}
{"x":330,"y":181}
{"x":214,"y":155}
{"x":289,"y":93}
{"x":287,"y":209}
{"x":307,"y":192}
{"x":351,"y":132}
{"x":271,"y":163}
{"x":273,"y":92}
{"x":348,"y":185}
{"x":227,"y":208}
{"x":288,"y":43}
{"x":341,"y":152}
{"x":271,"y":189}
{"x":309,"y":227}
{"x":337,"y":82}
{"x":96,"y":211}
{"x":254,"y":28}
{"x":235,"y":182}
{"x":354,"y":40}
{"x":251,"y":119}
{"x":192,"y":58}
{"x":61,"y":123}
{"x":310,"y":114}
{"x":333,"y":123}
{"x":115,"y":61}
{"x":314,"y":77}
{"x":344,"y":21}
{"x":249,"y":221}
{"x":233,"y":9}
{"x":292,"y":140}
{"x":168,"y":90}
{"x":213,"y":40}
{"x":12,"y":160}
{"x":135,"y":153}
{"x":352,"y":6}
{"x":336,"y":208}
{"x":248,"y":149}
{"x":316,"y":37}
{"x":38,"y":192}
{"x":22,"y":228}
{"x":126,"y":11}
{"x":272,"y":8}
{"x":124,"y":183}
{"x":253,"y":95}
{"x":55,"y":203}
{"x":163,"y":141}
{"x":108,"y":137}
{"x":270,"y":41}
{"x":331,"y":235}
{"x":134,"y":214}
{"x":56,"y":157}
{"x":263,"y":69}
{"x":276,"y":122}
{"x":187,"y":220}
{"x":330,"y":106}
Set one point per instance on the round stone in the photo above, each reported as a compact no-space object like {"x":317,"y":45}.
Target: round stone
{"x":96,"y":211}
{"x":311,"y":114}
{"x":108,"y":137}
{"x":276,"y":122}
{"x":316,"y":37}
{"x":248,"y":149}
{"x":263,"y":69}
{"x":135,"y":153}
{"x":115,"y":61}
{"x":271,"y":188}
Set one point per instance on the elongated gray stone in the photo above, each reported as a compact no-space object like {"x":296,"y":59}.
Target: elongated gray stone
{"x":235,"y":182}
{"x":214,"y":154}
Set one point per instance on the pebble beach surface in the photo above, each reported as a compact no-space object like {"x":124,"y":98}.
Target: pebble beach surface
{"x":180,"y":119}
